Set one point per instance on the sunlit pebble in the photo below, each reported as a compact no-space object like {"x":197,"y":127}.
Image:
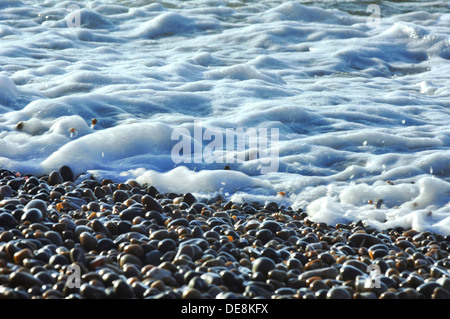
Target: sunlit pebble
{"x":19,"y":126}
{"x":93,"y":123}
{"x":73,"y":132}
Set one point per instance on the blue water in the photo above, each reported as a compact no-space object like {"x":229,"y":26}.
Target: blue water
{"x":359,"y":99}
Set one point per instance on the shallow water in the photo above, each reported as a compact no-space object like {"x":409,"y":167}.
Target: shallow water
{"x":360,"y":102}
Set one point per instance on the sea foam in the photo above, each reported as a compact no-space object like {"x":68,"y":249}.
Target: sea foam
{"x":362,"y":110}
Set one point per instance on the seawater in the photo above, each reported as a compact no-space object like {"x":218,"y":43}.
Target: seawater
{"x":360,"y":98}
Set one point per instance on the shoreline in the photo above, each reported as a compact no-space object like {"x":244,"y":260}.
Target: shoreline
{"x":129,"y":241}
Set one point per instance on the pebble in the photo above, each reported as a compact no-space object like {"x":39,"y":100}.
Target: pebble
{"x":364,"y":240}
{"x":263,"y":265}
{"x":55,"y":178}
{"x":151,"y":204}
{"x":88,"y":241}
{"x":338,"y":293}
{"x":24,"y":279}
{"x":32,"y":215}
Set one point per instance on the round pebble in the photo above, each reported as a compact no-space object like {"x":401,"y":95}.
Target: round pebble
{"x":263,"y":265}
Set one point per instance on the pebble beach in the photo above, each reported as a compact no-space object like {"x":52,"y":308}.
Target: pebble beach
{"x":131,"y":241}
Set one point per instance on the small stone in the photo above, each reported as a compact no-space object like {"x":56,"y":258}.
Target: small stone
{"x":66,"y":173}
{"x":129,"y":259}
{"x":263,"y":265}
{"x":440,"y":293}
{"x":32,"y":215}
{"x":131,"y":213}
{"x":444,"y":282}
{"x":264,"y":235}
{"x":192,"y":293}
{"x":21,"y":255}
{"x":77,"y":255}
{"x":160,"y":234}
{"x":135,"y":250}
{"x":24,"y":279}
{"x":151,"y":204}
{"x":54,"y":237}
{"x":166,"y":245}
{"x":156,"y":216}
{"x":157,"y":273}
{"x":36,"y":203}
{"x":88,"y":241}
{"x":338,"y":293}
{"x":5,"y":191}
{"x":427,"y":288}
{"x":189,"y":199}
{"x":55,"y":178}
{"x":92,"y":292}
{"x":122,"y":290}
{"x":364,"y":240}
{"x":58,"y":260}
{"x":7,"y":220}
{"x":198,"y":283}
{"x":16,"y":183}
{"x":325,"y":273}
{"x":120,"y":196}
{"x":271,"y":225}
{"x":348,"y":272}
{"x":153,"y":258}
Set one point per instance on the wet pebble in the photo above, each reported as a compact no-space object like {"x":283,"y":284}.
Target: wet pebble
{"x":263,"y":265}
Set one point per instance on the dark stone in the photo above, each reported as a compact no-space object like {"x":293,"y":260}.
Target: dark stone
{"x":55,"y":178}
{"x":119,"y":196}
{"x":348,"y":272}
{"x":88,"y":241}
{"x":158,"y":217}
{"x":338,"y":293}
{"x":7,"y":220}
{"x":427,"y":288}
{"x":32,"y":215}
{"x":36,"y":203}
{"x":58,"y":260}
{"x":5,"y":191}
{"x":364,"y":240}
{"x":153,"y":258}
{"x":16,"y":183}
{"x":264,"y":235}
{"x":189,"y":199}
{"x":263,"y":265}
{"x":105,"y":244}
{"x":88,"y":291}
{"x":271,"y":225}
{"x":24,"y":279}
{"x":66,"y":173}
{"x":166,"y":245}
{"x":151,"y":204}
{"x":122,"y":290}
{"x":131,"y":213}
{"x":77,"y":255}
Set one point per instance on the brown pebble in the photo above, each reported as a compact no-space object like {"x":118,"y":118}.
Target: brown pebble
{"x":21,"y":255}
{"x":88,"y":241}
{"x":129,"y":258}
{"x":158,"y":284}
{"x":135,"y":250}
{"x":192,"y":293}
